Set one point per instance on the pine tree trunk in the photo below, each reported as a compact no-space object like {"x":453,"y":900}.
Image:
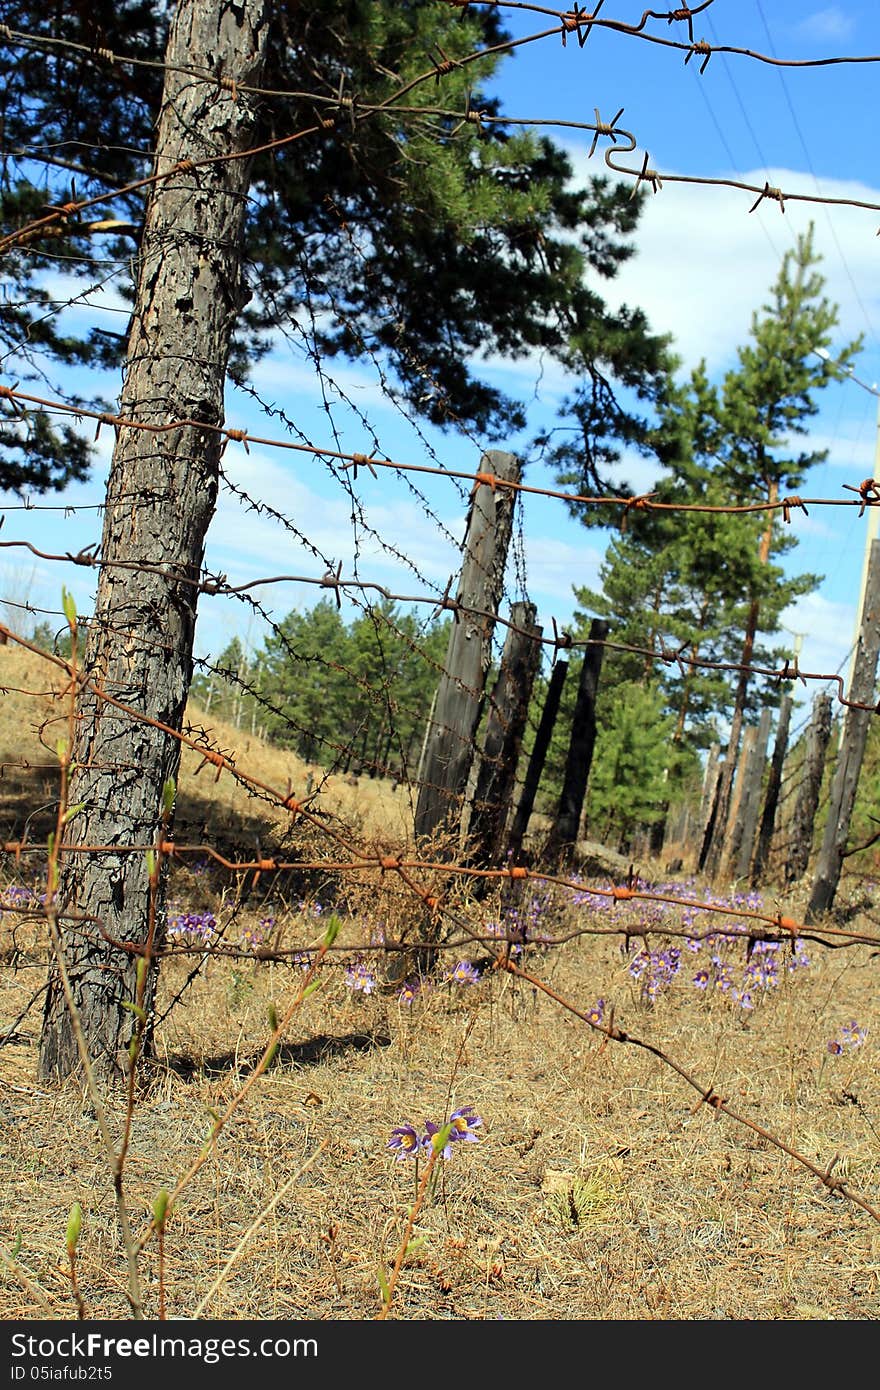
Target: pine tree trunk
{"x":160,"y":498}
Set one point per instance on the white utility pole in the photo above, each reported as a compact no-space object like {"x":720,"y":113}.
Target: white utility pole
{"x":871,"y":531}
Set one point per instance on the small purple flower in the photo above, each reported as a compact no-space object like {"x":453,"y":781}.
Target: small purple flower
{"x":358,"y":977}
{"x":409,"y":991}
{"x":852,"y":1034}
{"x":639,"y":964}
{"x":199,"y":924}
{"x":406,"y":1141}
{"x":464,"y":1121}
{"x":464,"y":973}
{"x":597,"y":1013}
{"x":701,"y":979}
{"x":428,"y":1140}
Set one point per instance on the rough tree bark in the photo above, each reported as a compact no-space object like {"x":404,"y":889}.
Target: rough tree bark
{"x":160,"y":498}
{"x":725,"y":786}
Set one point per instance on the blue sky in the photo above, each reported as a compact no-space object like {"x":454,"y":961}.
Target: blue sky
{"x":703,"y":265}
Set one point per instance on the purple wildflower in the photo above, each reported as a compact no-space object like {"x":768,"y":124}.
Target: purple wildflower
{"x":428,"y":1140}
{"x":358,"y":977}
{"x":199,"y":924}
{"x":464,"y":1121}
{"x":852,"y":1034}
{"x":597,"y":1013}
{"x":406,"y":1141}
{"x":464,"y":973}
{"x":408,"y":991}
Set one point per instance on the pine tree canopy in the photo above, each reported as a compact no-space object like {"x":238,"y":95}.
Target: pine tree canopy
{"x":412,"y":234}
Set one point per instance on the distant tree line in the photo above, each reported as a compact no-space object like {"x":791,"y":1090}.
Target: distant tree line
{"x":352,"y":695}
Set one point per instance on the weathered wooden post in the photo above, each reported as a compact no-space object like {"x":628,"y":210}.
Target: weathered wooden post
{"x":505,"y":726}
{"x":805,"y":806}
{"x":708,"y":803}
{"x":564,"y":832}
{"x":449,"y":746}
{"x":722,"y":864}
{"x":744,"y":842}
{"x":863,"y":690}
{"x":536,"y":761}
{"x":771,"y":797}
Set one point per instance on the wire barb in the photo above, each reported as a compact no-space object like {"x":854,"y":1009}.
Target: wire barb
{"x":776,"y":194}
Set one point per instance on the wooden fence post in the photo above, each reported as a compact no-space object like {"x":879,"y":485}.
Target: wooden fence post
{"x":536,"y":761}
{"x":708,"y":801}
{"x":732,"y":830}
{"x":564,"y":832}
{"x":741,"y":857}
{"x":505,"y":727}
{"x":449,"y":747}
{"x":771,"y":798}
{"x":852,"y":749}
{"x":801,"y":836}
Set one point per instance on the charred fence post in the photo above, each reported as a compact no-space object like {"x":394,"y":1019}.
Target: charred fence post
{"x":708,"y":803}
{"x":505,"y":726}
{"x":449,"y":744}
{"x":845,"y":782}
{"x":564,"y":832}
{"x":536,"y":761}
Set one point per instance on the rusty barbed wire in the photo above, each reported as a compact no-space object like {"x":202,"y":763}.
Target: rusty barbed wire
{"x":562,"y":640}
{"x":347,"y":107}
{"x":580,"y":21}
{"x":868,"y":491}
{"x":354,"y":112}
{"x":364,"y":858}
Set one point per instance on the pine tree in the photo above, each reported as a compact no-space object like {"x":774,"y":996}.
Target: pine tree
{"x":705,"y":590}
{"x":401,"y":231}
{"x":396,"y":224}
{"x":767,"y":401}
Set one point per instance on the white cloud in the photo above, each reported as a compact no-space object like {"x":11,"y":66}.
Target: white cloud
{"x":703,"y":265}
{"x":830,"y":23}
{"x":827,"y":630}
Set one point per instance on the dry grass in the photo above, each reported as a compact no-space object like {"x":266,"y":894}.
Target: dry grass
{"x":601,"y":1187}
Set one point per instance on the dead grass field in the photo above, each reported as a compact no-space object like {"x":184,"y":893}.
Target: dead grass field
{"x":601,"y":1186}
